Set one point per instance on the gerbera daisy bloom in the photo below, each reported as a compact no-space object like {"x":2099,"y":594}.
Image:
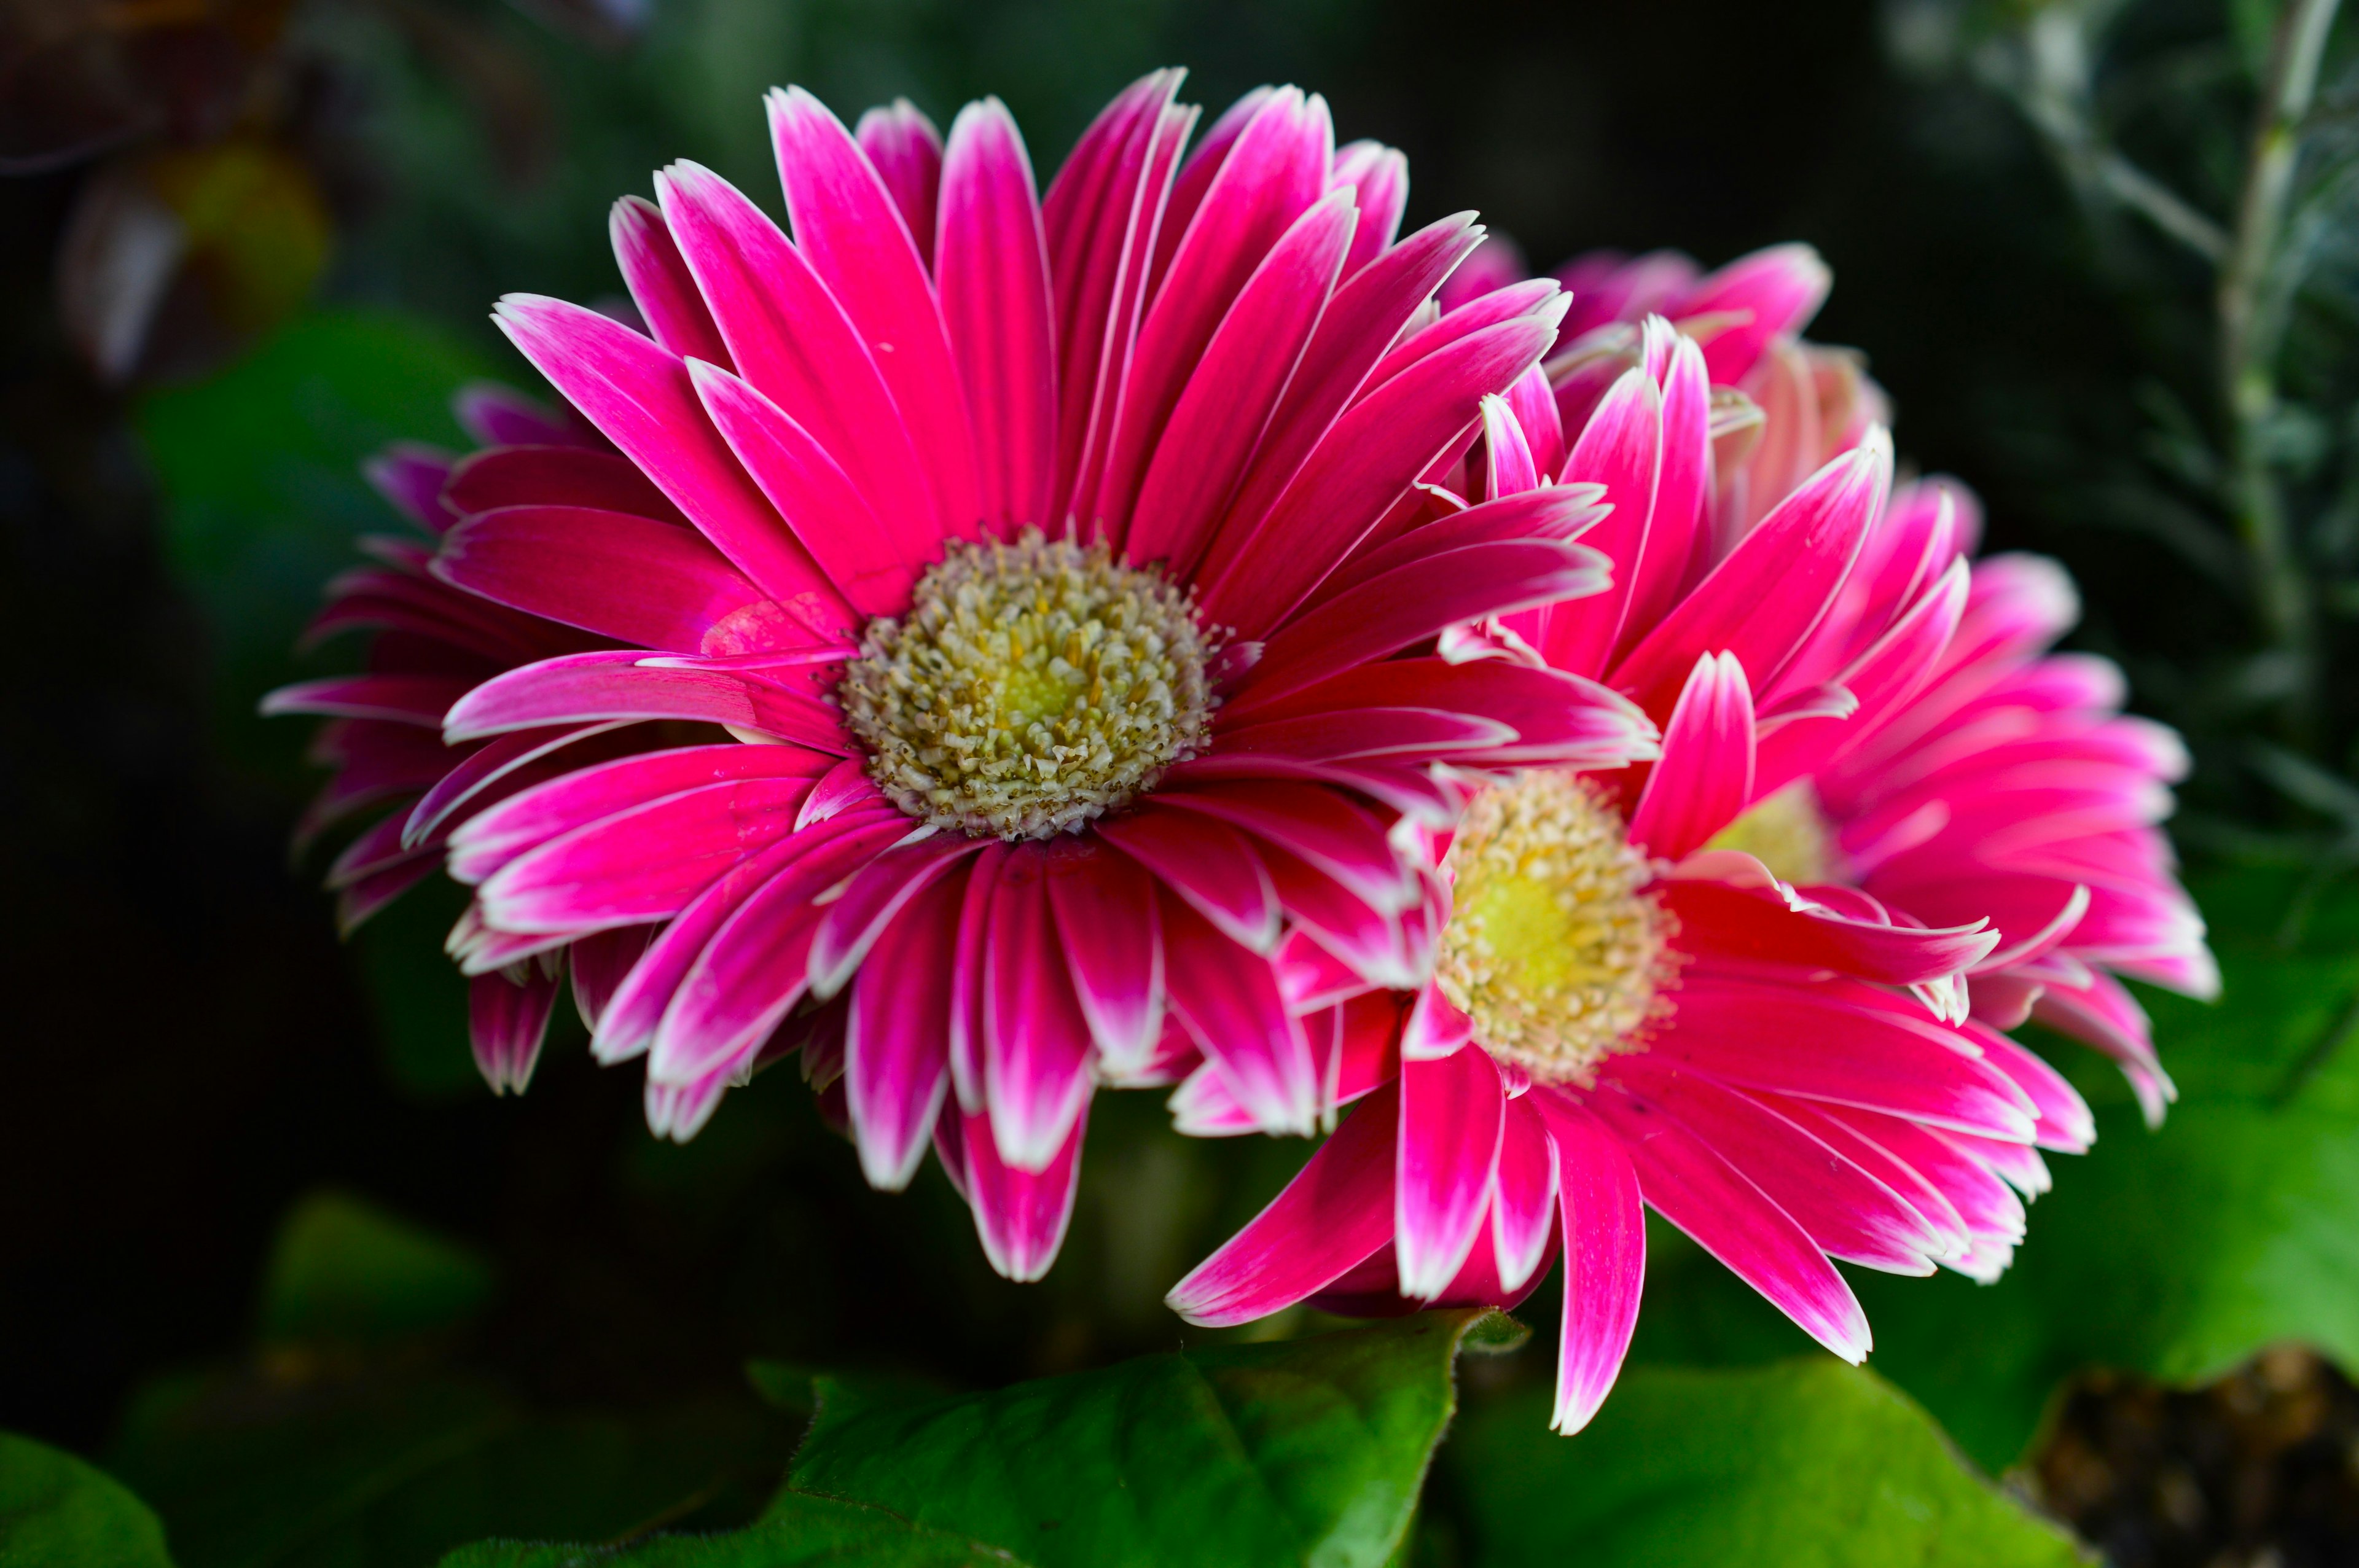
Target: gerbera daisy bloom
{"x":433,"y":642}
{"x":1009,"y":520}
{"x":1667,"y":984}
{"x":2012,"y":778}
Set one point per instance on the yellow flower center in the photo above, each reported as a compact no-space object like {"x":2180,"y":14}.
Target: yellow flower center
{"x":1554,"y":948}
{"x":1033,"y":685}
{"x":1788,"y":833}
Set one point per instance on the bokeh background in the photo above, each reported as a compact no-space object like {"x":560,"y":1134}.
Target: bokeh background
{"x":191,"y":1052}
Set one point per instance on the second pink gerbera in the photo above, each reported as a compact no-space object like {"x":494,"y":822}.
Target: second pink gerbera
{"x":999,"y":507}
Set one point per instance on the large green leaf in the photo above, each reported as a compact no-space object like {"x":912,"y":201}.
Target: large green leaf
{"x":2176,"y":1253}
{"x":799,"y":1531}
{"x":57,"y":1512}
{"x":1811,"y":1464}
{"x":1310,"y":1451}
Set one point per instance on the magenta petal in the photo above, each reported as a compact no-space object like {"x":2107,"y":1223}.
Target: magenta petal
{"x":1365,"y":317}
{"x":1705,"y":777}
{"x":410,"y":475}
{"x":399,"y":699}
{"x":2065,"y":1122}
{"x":497,"y":416}
{"x":1113,"y":938}
{"x":599,"y":962}
{"x":1341,"y":837}
{"x":1678,"y":527}
{"x":1035,"y":1042}
{"x":970,"y":965}
{"x":1845,"y":1209}
{"x":632,"y":579}
{"x":1509,"y":468}
{"x":626,"y":684}
{"x":1229,"y":1002}
{"x":1732,"y":1219}
{"x":897,"y":1039}
{"x":1863,"y":1048}
{"x":757,"y":966}
{"x":1765,"y":295}
{"x":794,"y":343}
{"x":660,"y":283}
{"x":557,"y":476}
{"x":867,"y":562}
{"x":1452,"y":1108}
{"x":506,"y":1021}
{"x":1021,"y":1215}
{"x":627,"y":1025}
{"x":1604,"y":1257}
{"x":1363,"y":464}
{"x":484,"y":769}
{"x":641,"y":397}
{"x":1378,"y":179}
{"x":993,"y":270}
{"x":1719,"y":919}
{"x":874,"y":898}
{"x":1523,"y":1194}
{"x":907,"y":153}
{"x":1763,"y":600}
{"x":845,"y":222}
{"x":1329,"y":1218}
{"x":1209,"y":864}
{"x":1199,"y":456}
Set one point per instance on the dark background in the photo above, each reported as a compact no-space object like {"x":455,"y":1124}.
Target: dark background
{"x":188,"y":1048}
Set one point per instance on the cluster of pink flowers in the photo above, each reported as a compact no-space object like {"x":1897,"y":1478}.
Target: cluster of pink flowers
{"x":1177,"y":631}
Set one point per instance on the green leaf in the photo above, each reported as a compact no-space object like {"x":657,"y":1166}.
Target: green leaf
{"x":57,"y":1512}
{"x":1811,"y":1464}
{"x":345,"y":1271}
{"x":800,"y":1530}
{"x":2176,"y":1253}
{"x":1308,"y":1451}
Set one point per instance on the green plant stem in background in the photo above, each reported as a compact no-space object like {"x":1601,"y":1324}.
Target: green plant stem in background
{"x":2252,"y":328}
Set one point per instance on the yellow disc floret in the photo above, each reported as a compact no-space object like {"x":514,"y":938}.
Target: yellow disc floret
{"x":1554,"y":948}
{"x":1788,"y":833}
{"x":1033,"y":685}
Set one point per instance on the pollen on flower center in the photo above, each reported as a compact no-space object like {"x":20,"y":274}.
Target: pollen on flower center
{"x":1554,"y":948}
{"x":1788,"y":833}
{"x":1033,"y":685}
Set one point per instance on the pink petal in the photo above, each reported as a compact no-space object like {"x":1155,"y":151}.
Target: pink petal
{"x":993,"y":273}
{"x":581,"y":689}
{"x":1209,"y":864}
{"x":907,"y":153}
{"x":1341,"y":838}
{"x":1199,"y":456}
{"x":1842,"y":1049}
{"x":557,"y":476}
{"x":1364,"y":463}
{"x":1378,"y":179}
{"x":641,"y":397}
{"x":660,"y":283}
{"x":1113,"y":940}
{"x":1620,"y":448}
{"x":795,"y":344}
{"x":1769,"y":293}
{"x":632,"y":579}
{"x":1021,"y":1215}
{"x":1732,"y":1219}
{"x":1228,"y":1000}
{"x":1767,"y":596}
{"x":496,"y":415}
{"x":420,"y":700}
{"x":897,"y":1039}
{"x":1036,"y":1041}
{"x":970,"y":968}
{"x":1678,"y":527}
{"x":2065,"y":1122}
{"x":1452,"y":1108}
{"x":410,"y":476}
{"x":1523,"y":1194}
{"x":868,"y":563}
{"x":1716,"y":919}
{"x":600,"y":963}
{"x":845,"y":221}
{"x":482,"y":770}
{"x":874,"y":898}
{"x":1706,"y":775}
{"x":1604,"y":1257}
{"x":506,"y":1024}
{"x":1329,"y":1219}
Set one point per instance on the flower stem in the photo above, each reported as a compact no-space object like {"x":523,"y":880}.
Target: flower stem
{"x":2252,"y":327}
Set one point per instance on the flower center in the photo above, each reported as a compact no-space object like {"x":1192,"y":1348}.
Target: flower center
{"x":1788,"y":833}
{"x":1554,"y":948}
{"x":1032,"y":686}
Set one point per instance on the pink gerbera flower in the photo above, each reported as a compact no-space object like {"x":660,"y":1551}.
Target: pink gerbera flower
{"x":433,"y":642}
{"x":2011,"y":786}
{"x":1010,"y":524}
{"x":1667,"y":984}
